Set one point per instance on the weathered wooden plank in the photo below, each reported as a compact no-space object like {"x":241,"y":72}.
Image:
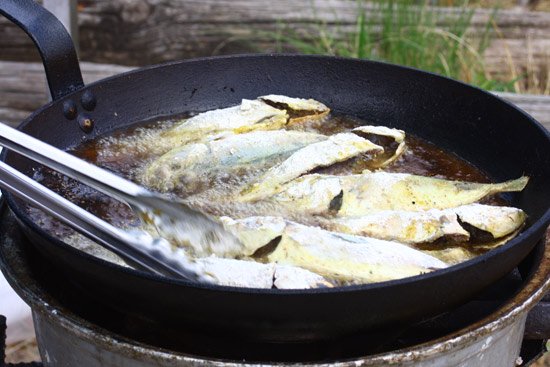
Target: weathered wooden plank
{"x":535,"y":105}
{"x":142,"y":32}
{"x":23,"y":90}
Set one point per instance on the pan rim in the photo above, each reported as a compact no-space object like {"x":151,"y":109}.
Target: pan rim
{"x":537,"y":227}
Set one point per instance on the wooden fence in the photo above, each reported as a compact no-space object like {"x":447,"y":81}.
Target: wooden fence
{"x":140,"y":32}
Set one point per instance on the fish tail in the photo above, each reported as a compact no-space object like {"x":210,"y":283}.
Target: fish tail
{"x":513,"y":185}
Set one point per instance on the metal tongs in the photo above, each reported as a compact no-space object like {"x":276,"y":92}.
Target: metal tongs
{"x":136,"y":247}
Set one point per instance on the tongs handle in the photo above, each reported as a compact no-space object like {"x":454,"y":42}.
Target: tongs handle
{"x":139,"y":249}
{"x":72,"y":166}
{"x":172,"y":218}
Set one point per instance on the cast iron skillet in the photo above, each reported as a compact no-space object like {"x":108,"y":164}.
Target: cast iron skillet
{"x":490,"y":133}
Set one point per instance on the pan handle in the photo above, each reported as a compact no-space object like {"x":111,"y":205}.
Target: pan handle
{"x":53,"y":42}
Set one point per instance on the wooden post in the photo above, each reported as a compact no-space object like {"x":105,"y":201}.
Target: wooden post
{"x":65,"y":11}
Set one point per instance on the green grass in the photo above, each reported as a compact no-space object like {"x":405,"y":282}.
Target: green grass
{"x":404,"y":32}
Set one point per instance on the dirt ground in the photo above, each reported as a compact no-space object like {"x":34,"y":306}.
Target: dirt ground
{"x":23,"y":352}
{"x":543,"y":362}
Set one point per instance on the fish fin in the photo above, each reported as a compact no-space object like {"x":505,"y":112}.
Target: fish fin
{"x":510,"y":186}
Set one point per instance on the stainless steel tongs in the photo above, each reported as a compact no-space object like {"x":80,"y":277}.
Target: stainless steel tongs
{"x":138,"y":248}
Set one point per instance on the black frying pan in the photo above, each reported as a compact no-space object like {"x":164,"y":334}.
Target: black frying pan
{"x":490,"y":133}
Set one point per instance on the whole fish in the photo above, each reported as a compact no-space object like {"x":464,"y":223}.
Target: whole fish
{"x":251,"y":274}
{"x":330,"y":254}
{"x":189,"y":166}
{"x":336,"y":148}
{"x":350,"y":258}
{"x":453,"y":224}
{"x":270,"y":112}
{"x":357,"y":195}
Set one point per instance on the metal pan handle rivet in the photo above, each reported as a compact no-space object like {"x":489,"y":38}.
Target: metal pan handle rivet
{"x":88,"y":100}
{"x":69,"y":110}
{"x":85,"y":123}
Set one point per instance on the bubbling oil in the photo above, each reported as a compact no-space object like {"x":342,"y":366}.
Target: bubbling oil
{"x":129,"y":151}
